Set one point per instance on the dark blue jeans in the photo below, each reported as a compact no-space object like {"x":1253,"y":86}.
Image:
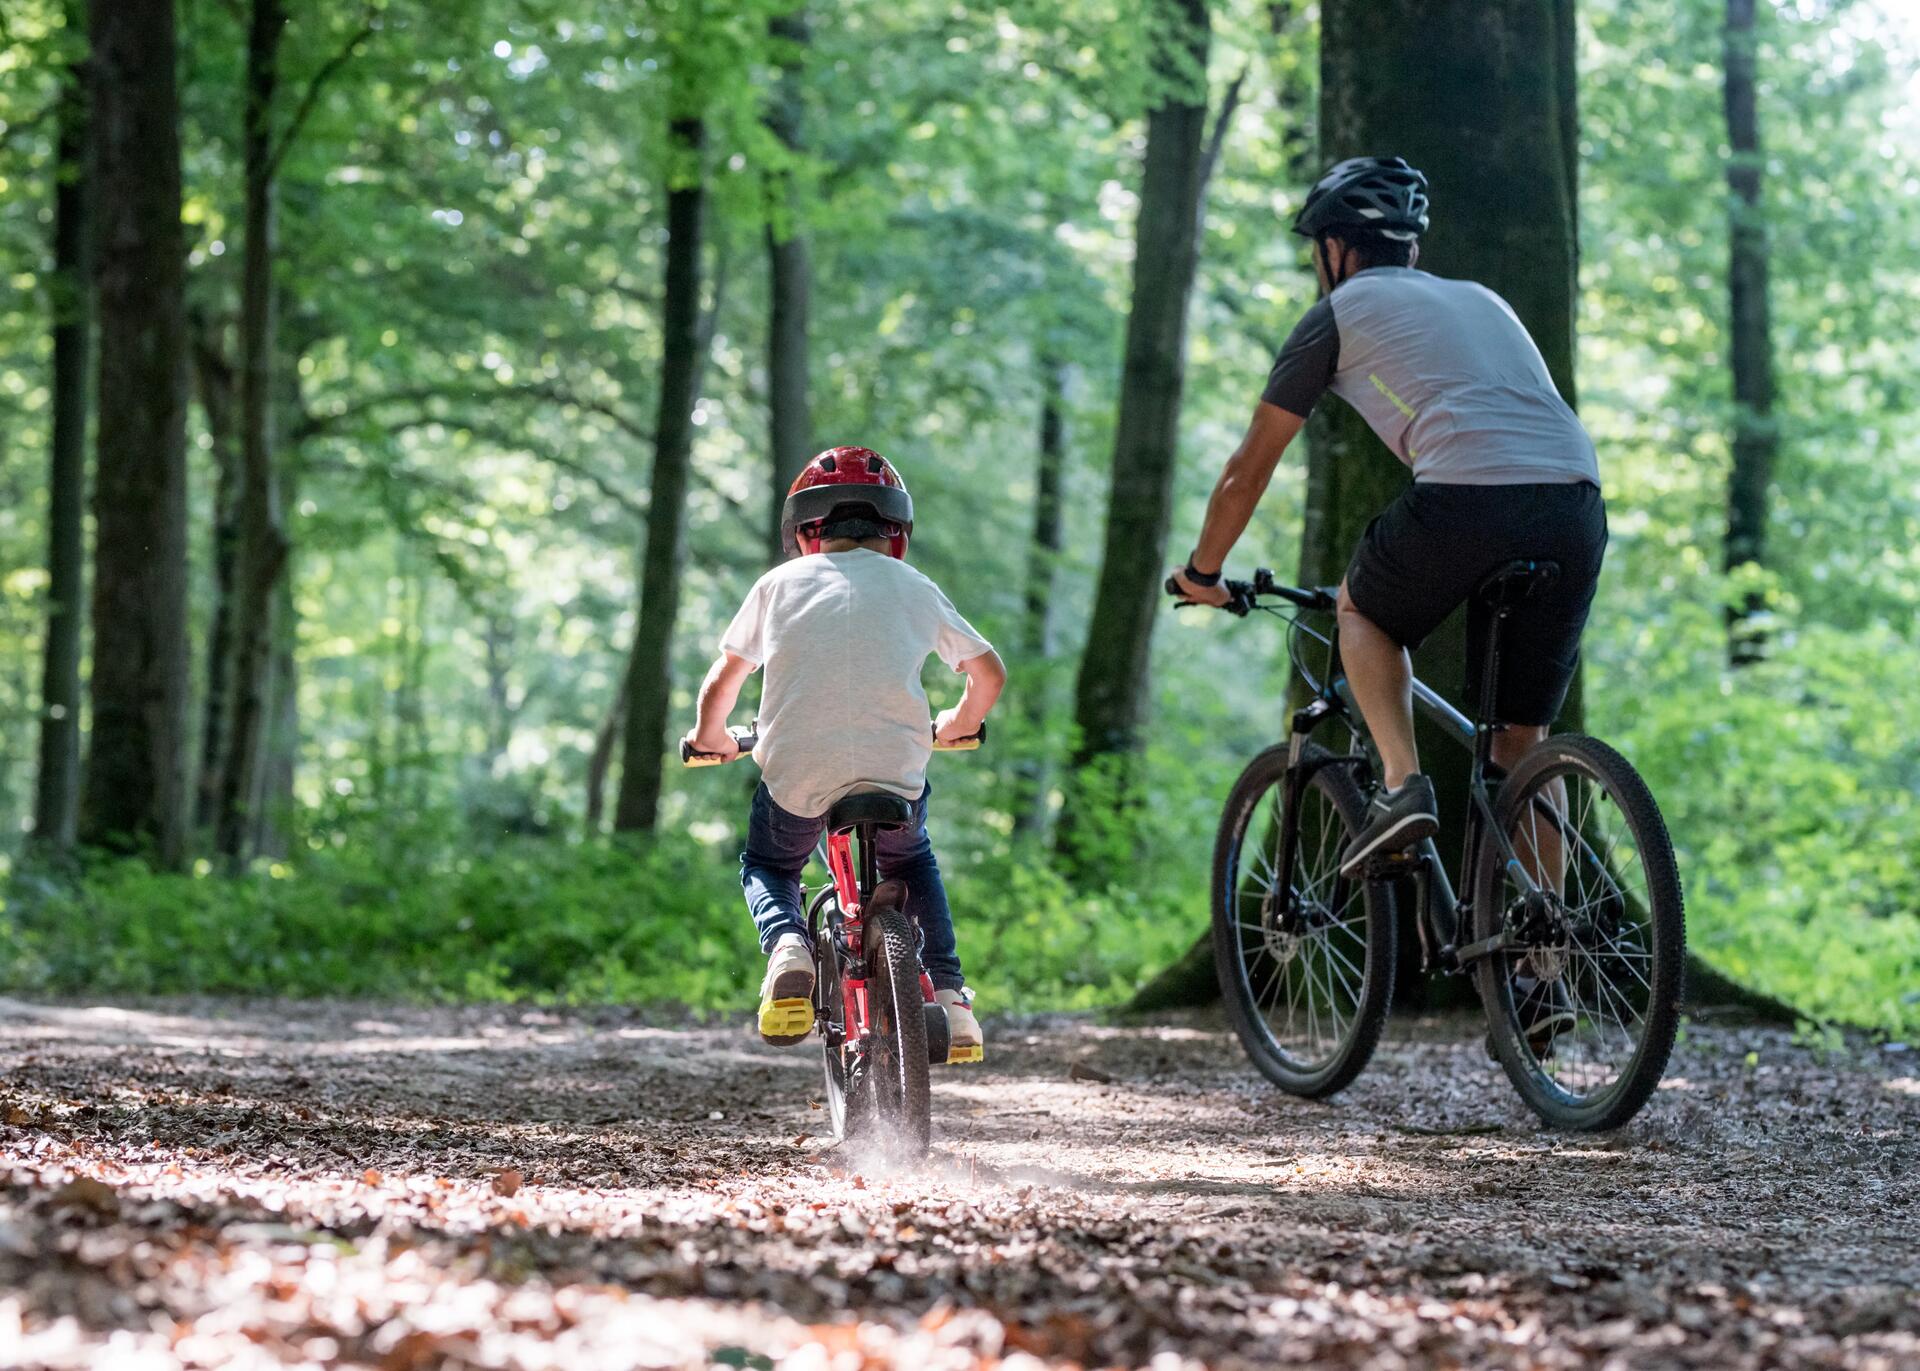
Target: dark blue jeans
{"x":778,"y":845}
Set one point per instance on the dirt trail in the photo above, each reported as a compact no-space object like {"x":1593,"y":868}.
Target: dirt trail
{"x":196,"y":1184}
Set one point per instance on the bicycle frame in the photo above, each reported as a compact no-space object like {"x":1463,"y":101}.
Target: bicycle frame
{"x":852,"y":877}
{"x":1441,"y":913}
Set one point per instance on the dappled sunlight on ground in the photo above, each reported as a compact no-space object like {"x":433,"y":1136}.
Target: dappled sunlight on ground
{"x":503,"y":1187}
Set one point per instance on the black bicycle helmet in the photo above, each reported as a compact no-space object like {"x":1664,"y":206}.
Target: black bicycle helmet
{"x":1379,"y":197}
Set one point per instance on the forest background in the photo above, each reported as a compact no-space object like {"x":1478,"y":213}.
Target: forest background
{"x":393,"y":401}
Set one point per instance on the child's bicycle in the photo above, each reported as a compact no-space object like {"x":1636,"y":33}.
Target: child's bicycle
{"x":1572,"y":926}
{"x":880,"y":1023}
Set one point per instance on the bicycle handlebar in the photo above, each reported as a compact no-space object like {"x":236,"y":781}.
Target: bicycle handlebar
{"x":749,"y":738}
{"x":1243,"y":596}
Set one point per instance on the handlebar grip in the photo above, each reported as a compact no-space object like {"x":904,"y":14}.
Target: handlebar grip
{"x":970,"y":743}
{"x":745,"y":738}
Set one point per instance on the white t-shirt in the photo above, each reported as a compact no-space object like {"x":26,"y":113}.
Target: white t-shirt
{"x":843,"y":637}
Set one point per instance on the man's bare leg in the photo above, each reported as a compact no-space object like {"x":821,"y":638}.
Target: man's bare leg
{"x":1382,"y":679}
{"x":1536,"y":839}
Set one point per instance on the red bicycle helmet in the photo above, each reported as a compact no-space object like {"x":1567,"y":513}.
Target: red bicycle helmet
{"x":846,"y":483}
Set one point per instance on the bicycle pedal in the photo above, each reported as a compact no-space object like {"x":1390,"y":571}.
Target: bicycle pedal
{"x":785,"y":1022}
{"x":1391,"y":866}
{"x":962,"y":1056}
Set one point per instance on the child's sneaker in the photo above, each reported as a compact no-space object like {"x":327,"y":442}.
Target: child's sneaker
{"x":964,"y":1041}
{"x":786,"y":995}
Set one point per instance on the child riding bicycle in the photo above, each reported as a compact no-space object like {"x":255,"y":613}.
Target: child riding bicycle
{"x":843,"y":629}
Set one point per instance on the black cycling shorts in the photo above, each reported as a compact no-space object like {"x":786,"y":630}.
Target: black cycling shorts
{"x":1422,"y":557}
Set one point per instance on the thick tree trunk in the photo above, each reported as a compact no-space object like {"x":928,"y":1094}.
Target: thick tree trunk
{"x":261,"y":550}
{"x":650,"y":679}
{"x":134,"y":780}
{"x":1755,"y":439}
{"x":57,"y":789}
{"x":1111,"y":693}
{"x":790,"y":414}
{"x":1043,"y":556}
{"x":219,"y":402}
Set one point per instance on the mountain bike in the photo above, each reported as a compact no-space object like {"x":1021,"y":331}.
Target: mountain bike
{"x":880,"y":1023}
{"x":1572,"y":927}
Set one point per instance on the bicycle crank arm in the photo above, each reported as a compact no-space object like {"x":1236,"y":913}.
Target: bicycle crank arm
{"x":1464,"y":957}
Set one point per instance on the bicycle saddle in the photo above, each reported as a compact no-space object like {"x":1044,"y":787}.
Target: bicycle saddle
{"x":873,"y":807}
{"x":1517,"y":580}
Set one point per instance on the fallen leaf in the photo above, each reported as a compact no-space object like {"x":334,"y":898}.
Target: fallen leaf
{"x":507,"y":1182}
{"x":1080,"y":1071}
{"x":370,"y":1177}
{"x":83,"y":1192}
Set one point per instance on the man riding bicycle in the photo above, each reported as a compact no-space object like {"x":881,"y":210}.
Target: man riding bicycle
{"x":1448,"y":377}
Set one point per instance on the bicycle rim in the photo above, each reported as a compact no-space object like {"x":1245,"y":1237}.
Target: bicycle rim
{"x":1607,"y":947}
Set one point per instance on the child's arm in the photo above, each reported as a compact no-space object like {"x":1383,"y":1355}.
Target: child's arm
{"x":718,"y":695}
{"x":986,"y":677}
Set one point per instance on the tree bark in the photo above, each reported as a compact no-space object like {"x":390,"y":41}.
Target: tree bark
{"x":1111,"y":693}
{"x":218,"y":390}
{"x":134,"y":781}
{"x":790,"y":270}
{"x":1755,"y":438}
{"x":57,"y":788}
{"x":260,"y":553}
{"x":1043,"y":556}
{"x":650,"y":680}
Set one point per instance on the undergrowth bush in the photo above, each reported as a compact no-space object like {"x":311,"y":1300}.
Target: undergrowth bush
{"x":417,"y":911}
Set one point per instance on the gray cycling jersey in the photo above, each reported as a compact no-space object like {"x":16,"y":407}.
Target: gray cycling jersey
{"x":1444,"y":372}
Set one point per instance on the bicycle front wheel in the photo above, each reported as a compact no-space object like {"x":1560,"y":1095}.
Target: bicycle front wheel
{"x":1585,"y":1008}
{"x":1306,"y":972}
{"x":896,"y":1065}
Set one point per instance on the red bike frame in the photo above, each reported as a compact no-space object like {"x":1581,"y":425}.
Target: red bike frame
{"x":853,"y":988}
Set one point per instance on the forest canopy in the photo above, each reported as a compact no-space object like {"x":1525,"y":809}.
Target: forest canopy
{"x":501,"y":324}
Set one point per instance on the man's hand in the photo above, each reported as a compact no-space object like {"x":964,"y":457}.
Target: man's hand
{"x":1215,"y":595}
{"x":720,"y":744}
{"x":949,"y":727}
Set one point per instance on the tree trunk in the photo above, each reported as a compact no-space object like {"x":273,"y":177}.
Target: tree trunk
{"x":1111,"y":694}
{"x":57,"y":790}
{"x":134,"y":781}
{"x":1043,"y":556}
{"x":605,"y":739}
{"x":260,"y":553}
{"x":650,"y":679}
{"x":1755,"y":439}
{"x":790,"y":269}
{"x":214,"y":379}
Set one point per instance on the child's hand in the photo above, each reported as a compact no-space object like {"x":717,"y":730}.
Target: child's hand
{"x":720,"y":744}
{"x":949,"y":728}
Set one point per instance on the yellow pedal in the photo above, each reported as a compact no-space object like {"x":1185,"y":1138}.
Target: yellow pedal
{"x":960,"y":1056}
{"x":785,"y":1022}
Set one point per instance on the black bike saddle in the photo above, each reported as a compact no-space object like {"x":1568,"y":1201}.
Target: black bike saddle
{"x":1514,"y":582}
{"x":873,"y":807}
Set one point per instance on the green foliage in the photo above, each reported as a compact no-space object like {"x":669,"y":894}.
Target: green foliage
{"x":471,"y":238}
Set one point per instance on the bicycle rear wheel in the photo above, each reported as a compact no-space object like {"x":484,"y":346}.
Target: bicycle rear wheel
{"x":1604,"y":940}
{"x":896,"y":1065}
{"x":1306,"y":973}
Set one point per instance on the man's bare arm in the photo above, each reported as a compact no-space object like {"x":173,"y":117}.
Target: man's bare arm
{"x":1236,"y":495}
